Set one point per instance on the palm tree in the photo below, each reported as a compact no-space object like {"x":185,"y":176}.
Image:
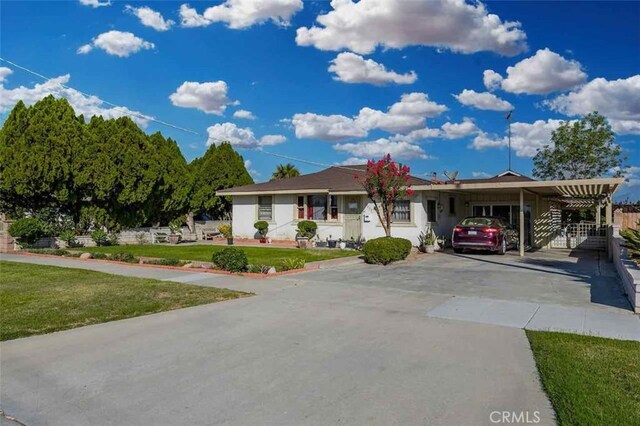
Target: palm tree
{"x":284,"y":171}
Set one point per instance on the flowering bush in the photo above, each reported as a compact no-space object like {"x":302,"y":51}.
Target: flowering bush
{"x":386,"y":183}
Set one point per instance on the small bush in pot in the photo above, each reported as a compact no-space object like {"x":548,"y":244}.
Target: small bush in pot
{"x":263,"y":228}
{"x":27,"y":230}
{"x":306,"y":230}
{"x":427,"y":241}
{"x":227,"y":231}
{"x":385,"y":250}
{"x":230,"y":259}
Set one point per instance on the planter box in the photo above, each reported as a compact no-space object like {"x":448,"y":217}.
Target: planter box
{"x":628,"y":271}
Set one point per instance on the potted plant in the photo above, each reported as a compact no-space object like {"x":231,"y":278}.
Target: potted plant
{"x":306,"y":230}
{"x":427,"y":241}
{"x":331,"y":242}
{"x":227,"y":232}
{"x":262,"y":227}
{"x":342,"y":244}
{"x":176,"y":230}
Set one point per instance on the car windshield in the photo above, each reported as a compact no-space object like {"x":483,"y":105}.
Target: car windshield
{"x":477,"y":221}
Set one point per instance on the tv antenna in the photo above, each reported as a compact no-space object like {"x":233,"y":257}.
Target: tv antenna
{"x":508,"y":118}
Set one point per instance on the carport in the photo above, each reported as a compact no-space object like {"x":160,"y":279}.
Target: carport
{"x":537,"y":206}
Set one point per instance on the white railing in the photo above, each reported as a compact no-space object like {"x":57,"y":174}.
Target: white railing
{"x":582,"y":235}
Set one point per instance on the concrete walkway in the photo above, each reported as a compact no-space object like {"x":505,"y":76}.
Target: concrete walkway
{"x":307,"y":350}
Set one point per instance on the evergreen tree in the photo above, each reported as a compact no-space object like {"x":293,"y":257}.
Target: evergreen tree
{"x":221,"y":167}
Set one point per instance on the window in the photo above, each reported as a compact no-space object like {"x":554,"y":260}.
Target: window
{"x":452,"y":205}
{"x":431,"y":211}
{"x":317,"y":207}
{"x":334,"y":207}
{"x":265,"y":207}
{"x":401,"y":211}
{"x":301,"y":207}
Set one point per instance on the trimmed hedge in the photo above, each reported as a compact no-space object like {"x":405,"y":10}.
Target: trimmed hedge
{"x":230,"y":259}
{"x":386,"y":250}
{"x":307,"y":228}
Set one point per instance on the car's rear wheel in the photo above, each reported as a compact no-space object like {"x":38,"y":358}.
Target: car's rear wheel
{"x":458,"y":250}
{"x":503,"y":247}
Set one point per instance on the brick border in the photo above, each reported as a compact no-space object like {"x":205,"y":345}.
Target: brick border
{"x":175,"y":268}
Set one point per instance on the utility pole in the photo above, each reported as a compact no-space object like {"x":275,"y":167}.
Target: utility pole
{"x":508,"y":118}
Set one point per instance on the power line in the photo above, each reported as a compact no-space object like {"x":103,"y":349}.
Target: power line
{"x":164,"y":123}
{"x":127,"y":112}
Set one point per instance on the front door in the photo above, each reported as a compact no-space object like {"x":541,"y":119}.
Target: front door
{"x":352,"y":217}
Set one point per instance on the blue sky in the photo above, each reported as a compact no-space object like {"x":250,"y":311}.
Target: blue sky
{"x":396,"y":69}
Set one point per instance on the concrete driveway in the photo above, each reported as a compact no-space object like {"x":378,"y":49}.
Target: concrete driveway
{"x":314,"y":349}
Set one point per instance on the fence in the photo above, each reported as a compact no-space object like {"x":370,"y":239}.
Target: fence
{"x":581,"y":235}
{"x":626,"y":219}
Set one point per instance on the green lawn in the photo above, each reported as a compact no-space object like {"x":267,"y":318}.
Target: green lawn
{"x":272,"y":256}
{"x":36,"y":299}
{"x":589,"y":380}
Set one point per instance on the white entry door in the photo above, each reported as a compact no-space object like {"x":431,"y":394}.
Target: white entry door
{"x":352,"y":217}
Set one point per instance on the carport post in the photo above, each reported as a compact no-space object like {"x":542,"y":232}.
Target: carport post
{"x":521,"y":236}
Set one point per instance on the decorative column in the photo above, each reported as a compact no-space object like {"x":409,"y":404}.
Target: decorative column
{"x":521,"y":236}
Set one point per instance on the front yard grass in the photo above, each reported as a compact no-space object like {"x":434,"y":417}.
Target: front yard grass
{"x":589,"y":380}
{"x":37,"y":299}
{"x":272,"y":256}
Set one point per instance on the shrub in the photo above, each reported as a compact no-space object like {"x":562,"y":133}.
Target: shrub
{"x":112,"y":239}
{"x":69,"y":237}
{"x":28,"y":230}
{"x":74,"y":254}
{"x":141,"y":237}
{"x":53,"y":252}
{"x":307,"y":228}
{"x":292,"y":263}
{"x":98,"y":255}
{"x":262,"y":227}
{"x":226,"y":230}
{"x":632,"y":239}
{"x":99,"y":237}
{"x":123,"y":256}
{"x":176,"y":225}
{"x":385,"y":250}
{"x":167,"y":262}
{"x":230,"y":259}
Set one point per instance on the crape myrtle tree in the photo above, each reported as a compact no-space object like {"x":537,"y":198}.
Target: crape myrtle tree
{"x":385,"y":182}
{"x":582,"y":149}
{"x":104,"y":173}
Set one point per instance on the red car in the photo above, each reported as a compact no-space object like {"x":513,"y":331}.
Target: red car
{"x":484,"y":233}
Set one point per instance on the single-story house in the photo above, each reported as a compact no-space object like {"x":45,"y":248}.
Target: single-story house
{"x":337,"y":202}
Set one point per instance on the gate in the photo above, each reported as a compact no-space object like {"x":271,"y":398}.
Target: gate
{"x":581,"y":235}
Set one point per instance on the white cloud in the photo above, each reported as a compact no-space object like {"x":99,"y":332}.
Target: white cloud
{"x":352,"y":68}
{"x":618,"y":100}
{"x":491,"y":79}
{"x":459,"y":130}
{"x":239,"y":137}
{"x":95,"y":3}
{"x":526,"y":138}
{"x":244,"y":114}
{"x":403,"y":116}
{"x":117,"y":43}
{"x":4,"y":73}
{"x":238,"y":14}
{"x":631,"y":175}
{"x":352,"y":161}
{"x":88,"y":106}
{"x":253,"y":172}
{"x":408,"y":114}
{"x":542,"y":73}
{"x":450,"y":24}
{"x":326,"y":127}
{"x":382,"y":146}
{"x":480,"y":175}
{"x":190,"y":18}
{"x":484,"y":100}
{"x":416,"y":135}
{"x":150,"y":18}
{"x":210,"y":97}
